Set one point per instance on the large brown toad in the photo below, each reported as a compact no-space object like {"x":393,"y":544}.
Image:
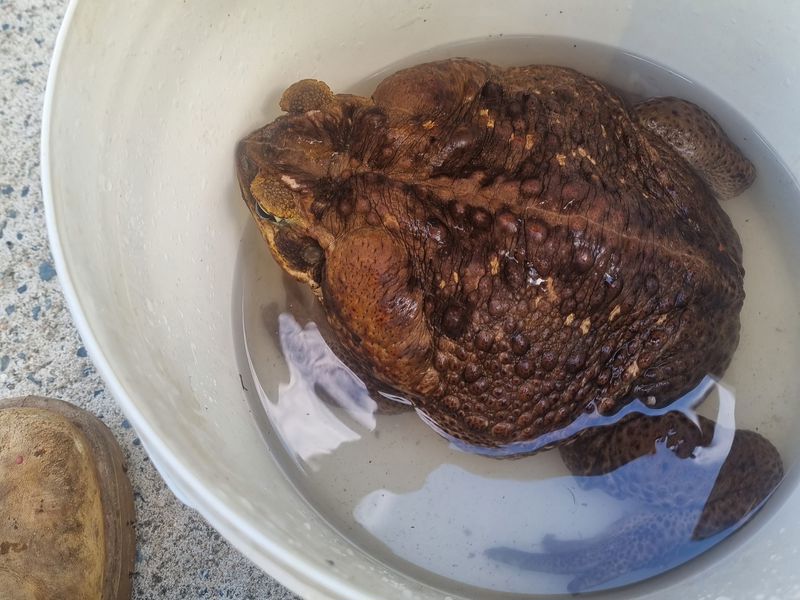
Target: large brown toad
{"x":508,"y":248}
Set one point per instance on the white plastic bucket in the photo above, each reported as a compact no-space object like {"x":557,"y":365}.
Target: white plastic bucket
{"x":144,"y":106}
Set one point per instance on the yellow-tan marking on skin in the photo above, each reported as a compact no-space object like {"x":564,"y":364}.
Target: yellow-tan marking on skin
{"x":484,"y":112}
{"x":586,"y":325}
{"x":570,"y":318}
{"x":583,"y":153}
{"x":633,"y":370}
{"x":494,"y":265}
{"x":552,"y":296}
{"x":528,"y":141}
{"x":291,"y":182}
{"x":562,"y":159}
{"x":614,"y":313}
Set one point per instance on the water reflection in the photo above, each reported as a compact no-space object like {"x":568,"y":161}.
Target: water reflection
{"x":318,"y":381}
{"x":448,"y":524}
{"x":666,"y":489}
{"x":582,"y":531}
{"x":649,"y":490}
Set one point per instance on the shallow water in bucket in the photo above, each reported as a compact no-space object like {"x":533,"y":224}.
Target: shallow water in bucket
{"x":404,"y":494}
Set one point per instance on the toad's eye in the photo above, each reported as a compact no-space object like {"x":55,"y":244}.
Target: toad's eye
{"x":265,"y":215}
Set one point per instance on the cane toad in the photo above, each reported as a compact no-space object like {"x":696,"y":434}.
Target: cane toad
{"x":508,"y":248}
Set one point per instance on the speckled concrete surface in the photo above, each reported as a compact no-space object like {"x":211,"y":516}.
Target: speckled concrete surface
{"x":179,"y":555}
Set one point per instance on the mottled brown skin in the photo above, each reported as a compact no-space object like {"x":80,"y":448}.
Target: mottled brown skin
{"x":509,"y":248}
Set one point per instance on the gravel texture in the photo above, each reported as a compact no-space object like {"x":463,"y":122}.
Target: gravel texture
{"x":179,"y":555}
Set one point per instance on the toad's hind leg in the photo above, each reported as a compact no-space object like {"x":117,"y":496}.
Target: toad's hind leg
{"x":699,"y":139}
